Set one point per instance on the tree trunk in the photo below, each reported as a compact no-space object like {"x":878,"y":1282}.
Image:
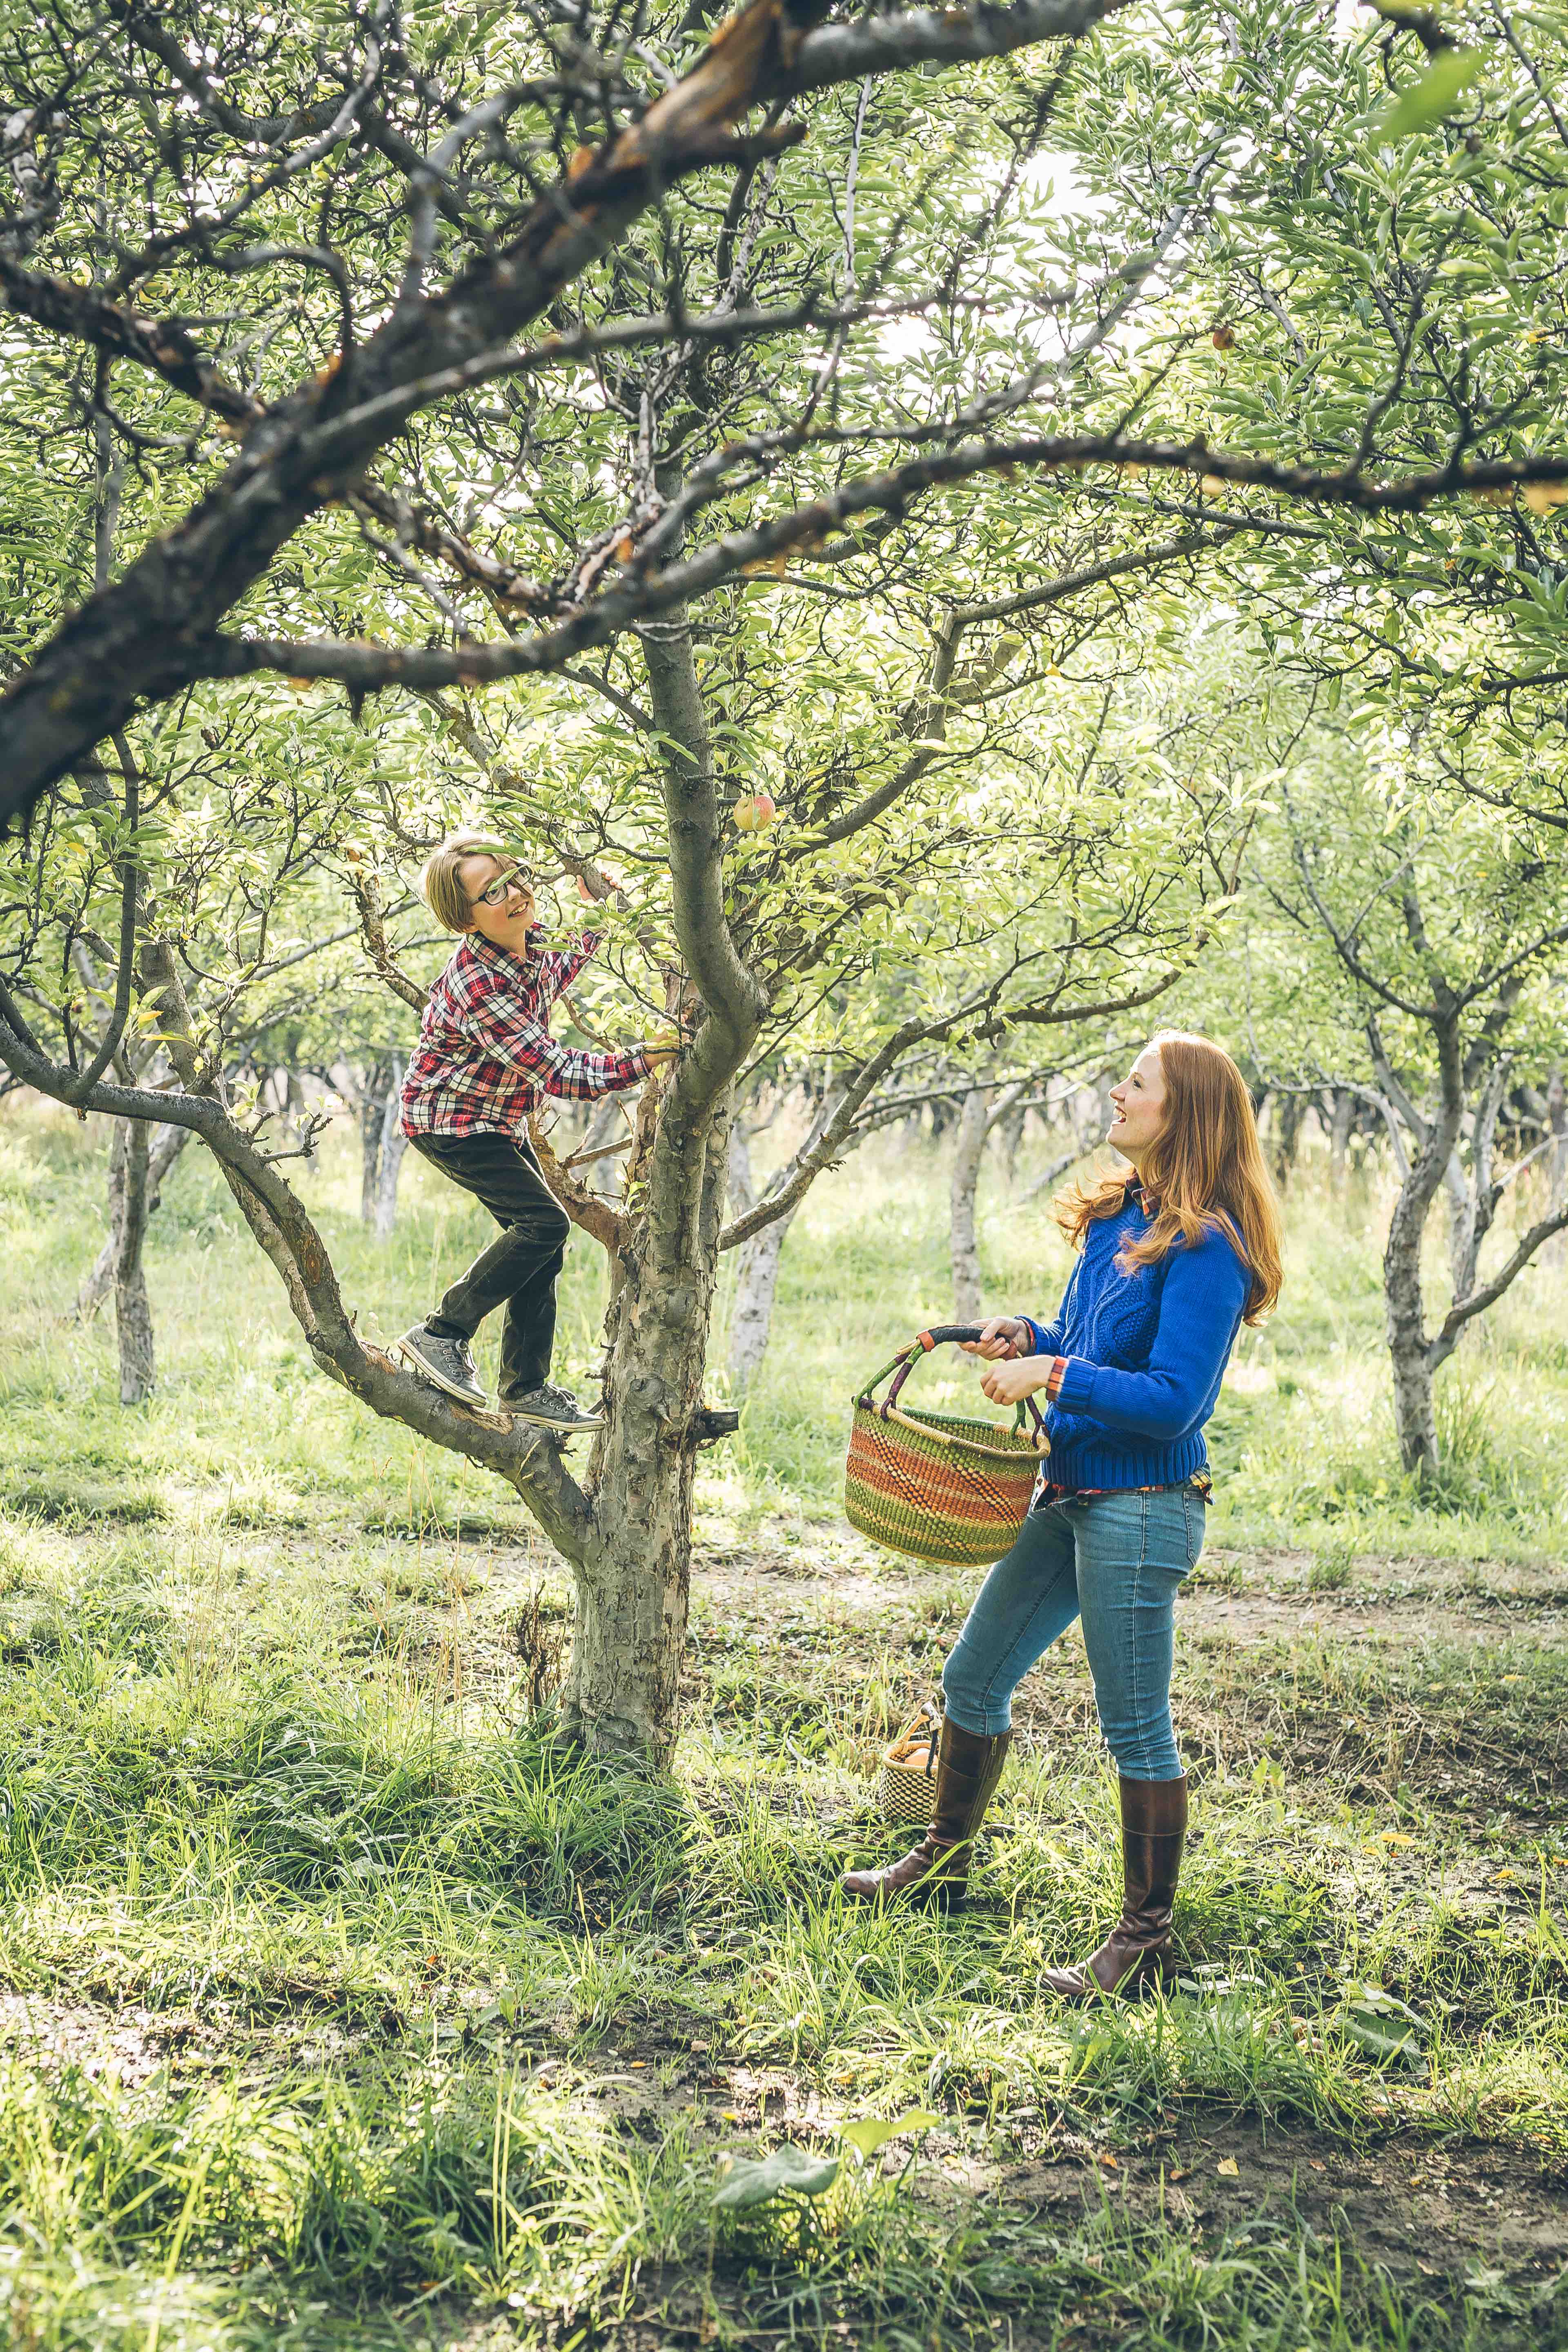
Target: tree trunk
{"x":133,"y":1314}
{"x":970,"y":1151}
{"x":633,"y":1580}
{"x":1340,"y":1124}
{"x":1403,"y":1309}
{"x":606,"y":1176}
{"x":1012,"y":1125}
{"x":98,"y":1281}
{"x":394,"y":1144}
{"x":751,"y":1318}
{"x":633,"y":1590}
{"x":1092,"y":1107}
{"x":1415,"y":1414}
{"x":1557,"y":1162}
{"x":756,"y":1278}
{"x":372,"y":1124}
{"x":1289,"y":1112}
{"x":1461,"y":1207}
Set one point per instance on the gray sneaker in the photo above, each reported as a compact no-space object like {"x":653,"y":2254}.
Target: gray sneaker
{"x":551,"y":1408}
{"x":445,"y":1363}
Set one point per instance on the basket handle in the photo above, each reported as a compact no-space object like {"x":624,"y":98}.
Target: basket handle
{"x":925,"y":1713}
{"x":924,"y":1342}
{"x":907,"y":1357}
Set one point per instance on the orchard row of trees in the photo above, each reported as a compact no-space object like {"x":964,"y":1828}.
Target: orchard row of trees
{"x":1098,"y":473}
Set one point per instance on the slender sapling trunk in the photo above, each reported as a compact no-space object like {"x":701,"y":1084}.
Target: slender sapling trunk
{"x":133,"y":1313}
{"x":393,"y":1143}
{"x":972,"y":1128}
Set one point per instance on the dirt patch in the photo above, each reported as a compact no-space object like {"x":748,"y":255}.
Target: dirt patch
{"x":1440,"y":2210}
{"x":1420,"y":2209}
{"x":58,"y":2036}
{"x":1247,"y":1596}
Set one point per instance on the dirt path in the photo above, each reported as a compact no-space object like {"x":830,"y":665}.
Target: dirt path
{"x":1244,"y":1596}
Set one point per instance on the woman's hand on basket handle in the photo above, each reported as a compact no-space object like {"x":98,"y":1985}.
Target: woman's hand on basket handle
{"x":1004,"y":1335}
{"x":1015,"y":1378}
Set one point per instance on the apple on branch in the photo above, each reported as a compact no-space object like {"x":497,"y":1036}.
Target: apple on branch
{"x":756,"y":813}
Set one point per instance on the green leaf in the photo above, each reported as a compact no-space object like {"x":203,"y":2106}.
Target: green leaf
{"x":1381,"y":2024}
{"x":870,"y":2133}
{"x":789,"y":2168}
{"x":1426,"y":101}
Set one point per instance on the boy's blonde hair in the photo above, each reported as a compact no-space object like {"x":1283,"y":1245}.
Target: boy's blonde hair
{"x":442,"y":892}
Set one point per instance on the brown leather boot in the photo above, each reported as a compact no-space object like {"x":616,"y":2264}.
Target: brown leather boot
{"x":967,"y":1771}
{"x":1134,"y":1955}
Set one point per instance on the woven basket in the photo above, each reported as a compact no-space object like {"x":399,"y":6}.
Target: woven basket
{"x":906,"y":1782}
{"x":937,"y":1485}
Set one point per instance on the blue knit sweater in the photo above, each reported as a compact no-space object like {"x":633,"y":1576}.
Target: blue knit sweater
{"x":1146,"y":1352}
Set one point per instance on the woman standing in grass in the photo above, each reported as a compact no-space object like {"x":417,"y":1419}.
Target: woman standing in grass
{"x":1174,"y":1257}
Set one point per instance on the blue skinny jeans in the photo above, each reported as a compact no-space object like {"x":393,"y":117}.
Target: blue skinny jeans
{"x":1117,"y":1560}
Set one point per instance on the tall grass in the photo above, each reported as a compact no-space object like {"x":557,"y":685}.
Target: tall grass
{"x":1303,"y":1439}
{"x":342,"y":2006}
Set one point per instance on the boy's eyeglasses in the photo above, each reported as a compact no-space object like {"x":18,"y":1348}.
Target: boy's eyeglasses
{"x":495,"y":894}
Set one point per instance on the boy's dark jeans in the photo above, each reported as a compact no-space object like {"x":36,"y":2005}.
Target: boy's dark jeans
{"x":520,"y":1268}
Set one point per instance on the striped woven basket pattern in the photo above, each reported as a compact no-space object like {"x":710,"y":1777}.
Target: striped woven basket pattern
{"x":942,"y":1487}
{"x":906,"y":1782}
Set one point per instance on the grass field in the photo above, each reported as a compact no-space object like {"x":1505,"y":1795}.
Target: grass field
{"x":339,"y":2009}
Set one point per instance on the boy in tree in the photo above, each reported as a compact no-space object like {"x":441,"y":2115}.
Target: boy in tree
{"x":485,"y":1057}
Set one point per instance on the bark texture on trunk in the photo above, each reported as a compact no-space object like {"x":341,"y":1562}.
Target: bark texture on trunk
{"x":633,"y":1578}
{"x":133,"y":1313}
{"x":633,"y":1589}
{"x":371,"y":1109}
{"x":974,"y":1126}
{"x":1012,"y":1125}
{"x":756,"y":1276}
{"x":1403,"y":1309}
{"x":607,"y":1127}
{"x":1414,"y":1410}
{"x":98,"y":1282}
{"x":751,"y":1318}
{"x":394,"y":1144}
{"x":1290,"y":1110}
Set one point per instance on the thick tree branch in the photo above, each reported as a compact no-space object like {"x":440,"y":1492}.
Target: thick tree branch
{"x":518,"y":1452}
{"x":86,"y":314}
{"x":140,"y":638}
{"x":367,"y":669}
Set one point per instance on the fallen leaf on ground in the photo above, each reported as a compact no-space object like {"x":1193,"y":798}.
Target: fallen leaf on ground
{"x":1227,"y":2166}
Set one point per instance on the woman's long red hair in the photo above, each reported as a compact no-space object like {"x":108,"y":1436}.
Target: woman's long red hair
{"x":1204,"y":1169}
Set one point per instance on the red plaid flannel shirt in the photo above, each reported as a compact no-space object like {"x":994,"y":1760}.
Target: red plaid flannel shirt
{"x":486,"y":1054}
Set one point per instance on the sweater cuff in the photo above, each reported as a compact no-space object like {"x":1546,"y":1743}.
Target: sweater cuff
{"x":1071,"y":1384}
{"x":1037,"y":1332}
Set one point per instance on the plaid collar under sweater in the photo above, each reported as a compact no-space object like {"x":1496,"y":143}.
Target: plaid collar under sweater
{"x":486,"y":1055}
